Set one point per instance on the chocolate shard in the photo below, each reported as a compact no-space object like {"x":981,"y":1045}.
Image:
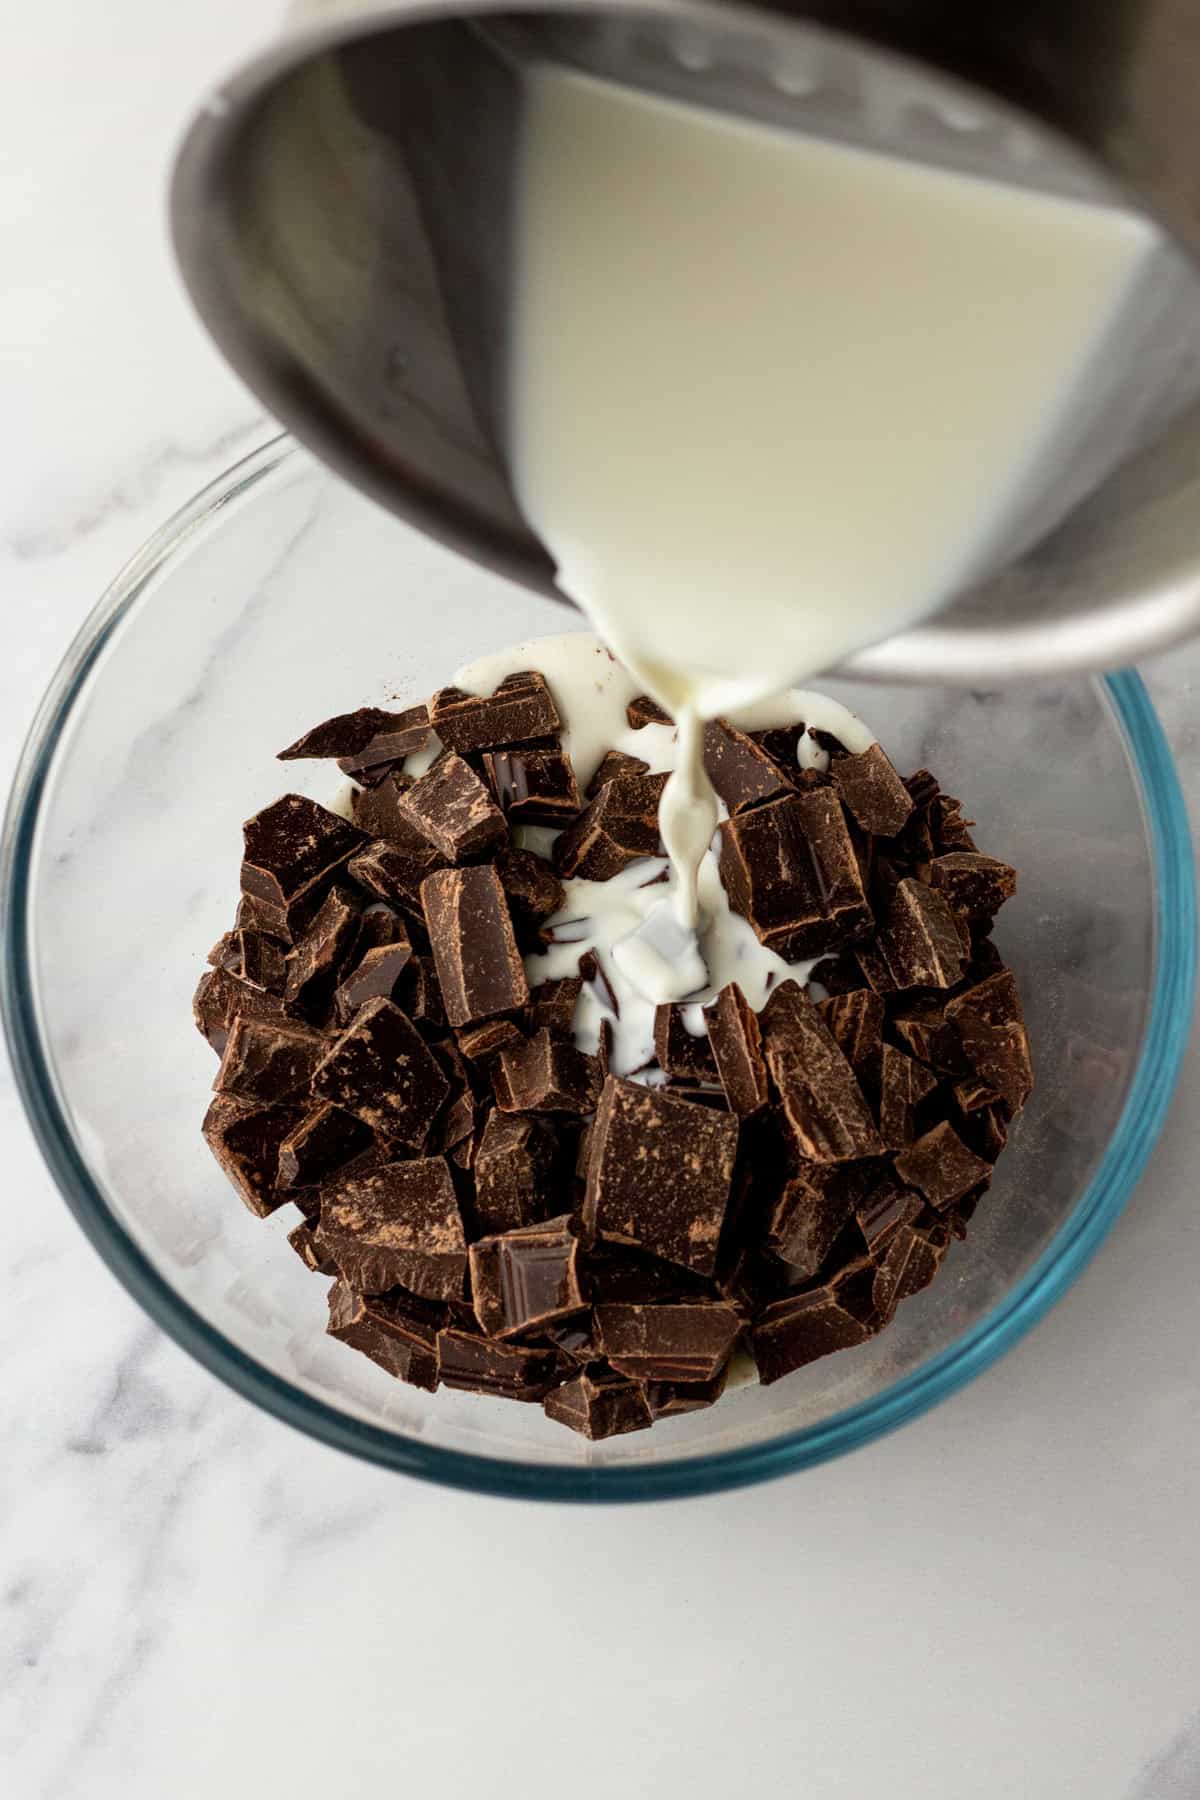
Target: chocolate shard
{"x":806,"y":1221}
{"x":972,"y":1092}
{"x":483,"y":1366}
{"x":381,"y":1070}
{"x":258,"y":960}
{"x":226,"y":953}
{"x":947,"y":827}
{"x":479,"y":967}
{"x":220,"y":998}
{"x":552,"y":1005}
{"x":803,"y":1327}
{"x":822,"y":1102}
{"x":292,"y":844}
{"x":680,"y":1051}
{"x":904,"y":1083}
{"x":871,"y":791}
{"x":254,"y":914}
{"x":376,"y":808}
{"x":942,"y":1166}
{"x":886,"y":1207}
{"x":598,"y":1403}
{"x":782,"y":742}
{"x":376,"y":976}
{"x":873,"y":966}
{"x":616,"y":828}
{"x":364,"y":738}
{"x":740,"y":770}
{"x":789,"y":867}
{"x":532,"y":889}
{"x":920,"y":939}
{"x":991,"y":1027}
{"x":612,"y":764}
{"x":976,"y":886}
{"x":478,"y":1042}
{"x":689,"y":1342}
{"x":533,"y":787}
{"x":907,"y":1262}
{"x":666,"y":1399}
{"x":268,"y":1060}
{"x":642,"y":710}
{"x":245,"y":1140}
{"x":304,"y":1243}
{"x":453,"y":809}
{"x":398,"y":1334}
{"x":420,"y":996}
{"x":514,"y":1171}
{"x":546,"y":1075}
{"x":660,"y":1172}
{"x":318,"y":958}
{"x":456,"y":1123}
{"x":398,"y":1226}
{"x":736,"y":1043}
{"x":394,"y":869}
{"x":522,"y":708}
{"x":855,"y":1023}
{"x":931,"y":1037}
{"x":527,"y":1278}
{"x":320,"y":1143}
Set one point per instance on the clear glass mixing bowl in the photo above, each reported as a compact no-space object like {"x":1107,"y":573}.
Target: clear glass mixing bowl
{"x":279,"y":597}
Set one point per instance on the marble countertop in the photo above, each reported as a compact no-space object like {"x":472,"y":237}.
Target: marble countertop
{"x":1000,"y":1600}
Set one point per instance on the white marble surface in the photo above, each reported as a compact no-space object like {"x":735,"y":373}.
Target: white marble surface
{"x":1001,"y":1600}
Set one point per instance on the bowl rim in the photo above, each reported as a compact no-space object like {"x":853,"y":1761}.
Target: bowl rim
{"x":1164,"y":1042}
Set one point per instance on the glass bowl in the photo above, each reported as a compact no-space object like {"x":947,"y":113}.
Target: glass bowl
{"x":279,"y":597}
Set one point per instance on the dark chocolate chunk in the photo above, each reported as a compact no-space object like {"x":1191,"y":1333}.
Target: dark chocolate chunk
{"x":659,"y":1175}
{"x":689,"y":1342}
{"x":885,"y":1208}
{"x":922,"y":787}
{"x":678,"y":1050}
{"x":547,"y":1074}
{"x":614,"y":763}
{"x":394,"y":869}
{"x":789,"y":867}
{"x":254,"y":914}
{"x":903,"y":1085}
{"x":666,"y":1399}
{"x":616,"y":828}
{"x":420,"y":996}
{"x":325,"y":1139}
{"x":740,"y":770}
{"x":514,"y":1167}
{"x":972,"y":1092}
{"x":292,"y":844}
{"x":855,"y":1023}
{"x":920,"y":939}
{"x":782,"y":742}
{"x":457,"y":1123}
{"x":532,"y":889}
{"x":245,"y":1140}
{"x":552,"y":1005}
{"x":907,"y":1262}
{"x":268,"y":1059}
{"x":932,"y":1038}
{"x":483,"y":1366}
{"x":398,"y":1226}
{"x":533,"y":787}
{"x":376,"y":976}
{"x":991,"y":1026}
{"x":258,"y":960}
{"x":947,"y":828}
{"x":976,"y":886}
{"x":364,"y":738}
{"x":799,"y":1329}
{"x":453,"y":809}
{"x":226,"y":953}
{"x":521,"y":708}
{"x":376,"y":809}
{"x":304,"y":1243}
{"x":871,"y":791}
{"x":736,"y":1043}
{"x":874,"y":967}
{"x":642,"y":710}
{"x":220,"y":998}
{"x":398,"y":1334}
{"x":315,"y":963}
{"x":527,"y":1278}
{"x":806,"y":1221}
{"x":599,"y":1404}
{"x":821,"y":1099}
{"x":942,"y":1166}
{"x":478,"y":1042}
{"x":475,"y":952}
{"x":381,"y":1070}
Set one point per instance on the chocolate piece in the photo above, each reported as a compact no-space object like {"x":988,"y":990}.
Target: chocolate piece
{"x":599,"y":1404}
{"x":457,"y":1123}
{"x":819,"y":1093}
{"x":806,"y":1221}
{"x":381,"y":1070}
{"x":942,"y":1166}
{"x":325,"y":1139}
{"x":376,"y":976}
{"x":420,"y":996}
{"x":533,"y":787}
{"x":931,"y":1037}
{"x":245,"y":1140}
{"x":871,"y":791}
{"x":268,"y":1059}
{"x":666,"y":1399}
{"x":514,"y":1166}
{"x":678,"y":1051}
{"x":920,"y":938}
{"x":887,"y":1207}
{"x":258,"y":960}
{"x":376,"y":810}
{"x":874,"y":968}
{"x":521,"y":708}
{"x":614,"y":763}
{"x":800,"y":1329}
{"x":365,"y":738}
{"x":399,"y":1226}
{"x":479,"y":967}
{"x":315,"y":963}
{"x":736,"y":1044}
{"x":453,"y":809}
{"x":478,"y":1042}
{"x":782,"y":742}
{"x":740,"y":770}
{"x":616,"y":828}
{"x":483,"y":1366}
{"x":908,"y":1262}
{"x":642,"y":710}
{"x":947,"y":827}
{"x":922,"y":787}
{"x":395,"y":869}
{"x":552,"y":1005}
{"x":985,"y":1130}
{"x":532,"y":889}
{"x":668,"y":1343}
{"x":976,"y":886}
{"x":659,"y":1173}
{"x":789,"y":867}
{"x":527,"y":1278}
{"x":378,"y":927}
{"x":226,"y":953}
{"x":304,"y":1243}
{"x":546,"y":1075}
{"x":291,"y":845}
{"x":254,"y":914}
{"x":398,"y":1334}
{"x":220,"y":998}
{"x":971,"y":1093}
{"x":855,"y":1023}
{"x":991,"y":1027}
{"x":903,"y":1085}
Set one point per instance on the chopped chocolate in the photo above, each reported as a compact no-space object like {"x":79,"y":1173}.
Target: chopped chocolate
{"x":552,"y":1005}
{"x":886,"y":1207}
{"x":991,"y":1026}
{"x":324,"y":1140}
{"x":526,"y":1279}
{"x":268,"y":1059}
{"x":789,"y":867}
{"x":420,"y":996}
{"x":258,"y":960}
{"x":782,"y":742}
{"x":522,"y":708}
{"x":874,"y":967}
{"x":907,"y":1262}
{"x":599,"y":1404}
{"x":947,"y":827}
{"x":533,"y":787}
{"x":292,"y":844}
{"x":616,"y":828}
{"x":532,"y":889}
{"x":920,"y":939}
{"x":679,"y":1051}
{"x":985,"y":1130}
{"x":398,"y":1334}
{"x":394,"y":869}
{"x":659,"y":1173}
{"x":871,"y":791}
{"x":642,"y":710}
{"x":806,"y":1221}
{"x":376,"y":809}
{"x":245,"y":1140}
{"x":318,"y":958}
{"x":689,"y":1342}
{"x":376,"y":976}
{"x":614,"y":763}
{"x":304,"y":1243}
{"x":976,"y":886}
{"x":514,"y":1168}
{"x":477,"y":1042}
{"x":855,"y":1023}
{"x":904,"y":1083}
{"x":364,"y":738}
{"x":254,"y":914}
{"x":822,"y":1101}
{"x":475,"y":952}
{"x":457,"y":1123}
{"x":453,"y":809}
{"x":398,"y":1226}
{"x":226,"y":953}
{"x":378,"y":927}
{"x":942,"y":1166}
{"x":740,"y":770}
{"x":220,"y":998}
{"x":799,"y":1329}
{"x":668,"y":1398}
{"x":736,"y":1043}
{"x":971,"y":1093}
{"x":922,"y":787}
{"x":932,"y":1038}
{"x":381,"y":1070}
{"x":483,"y":1366}
{"x":547,"y":1074}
